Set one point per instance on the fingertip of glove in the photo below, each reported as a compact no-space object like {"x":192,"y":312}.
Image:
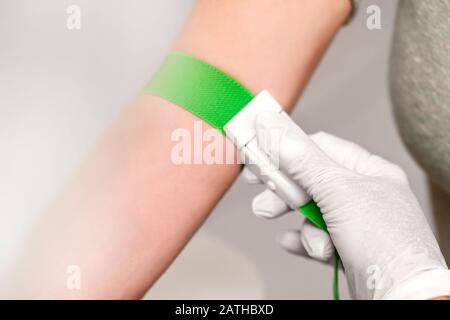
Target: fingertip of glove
{"x":290,"y":241}
{"x":268,"y":206}
{"x":260,"y":210}
{"x":317,"y":243}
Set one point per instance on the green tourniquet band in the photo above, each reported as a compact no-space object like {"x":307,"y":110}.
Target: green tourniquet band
{"x":200,"y":88}
{"x":213,"y":96}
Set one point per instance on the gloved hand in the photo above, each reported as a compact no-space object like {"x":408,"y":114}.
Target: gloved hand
{"x":386,"y":246}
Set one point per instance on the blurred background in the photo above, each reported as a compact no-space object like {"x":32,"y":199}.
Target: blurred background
{"x":61,"y":89}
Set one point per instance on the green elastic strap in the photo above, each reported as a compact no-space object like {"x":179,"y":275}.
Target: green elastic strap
{"x":211,"y":95}
{"x":200,"y":88}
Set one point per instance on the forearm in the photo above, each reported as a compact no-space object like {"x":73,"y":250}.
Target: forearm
{"x":126,"y":213}
{"x":129,"y":209}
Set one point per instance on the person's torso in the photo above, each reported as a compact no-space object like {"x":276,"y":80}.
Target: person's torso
{"x":420,"y":83}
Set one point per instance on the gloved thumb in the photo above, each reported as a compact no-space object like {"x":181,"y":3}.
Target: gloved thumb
{"x":297,"y":155}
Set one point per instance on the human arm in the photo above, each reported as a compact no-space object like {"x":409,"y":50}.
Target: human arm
{"x":128,"y":210}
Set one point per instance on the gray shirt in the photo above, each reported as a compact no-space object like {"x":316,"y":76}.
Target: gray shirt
{"x":420,"y":84}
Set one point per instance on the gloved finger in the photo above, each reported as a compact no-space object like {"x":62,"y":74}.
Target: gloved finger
{"x":317,"y":242}
{"x":250,"y":177}
{"x":291,"y":241}
{"x":354,"y":157}
{"x":268,"y":205}
{"x":309,"y":242}
{"x":297,"y":154}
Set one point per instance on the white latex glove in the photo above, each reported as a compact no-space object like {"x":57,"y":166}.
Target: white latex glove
{"x":384,"y":241}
